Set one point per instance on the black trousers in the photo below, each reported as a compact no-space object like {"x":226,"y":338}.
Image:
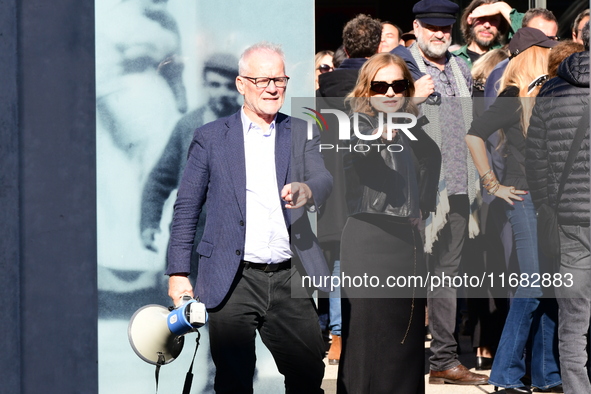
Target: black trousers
{"x":442,"y":301}
{"x":288,"y":325}
{"x":383,"y":328}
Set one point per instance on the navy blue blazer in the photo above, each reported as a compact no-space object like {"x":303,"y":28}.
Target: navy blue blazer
{"x":215,"y":171}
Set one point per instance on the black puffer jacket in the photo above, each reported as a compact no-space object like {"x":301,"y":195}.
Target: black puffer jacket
{"x":556,"y":115}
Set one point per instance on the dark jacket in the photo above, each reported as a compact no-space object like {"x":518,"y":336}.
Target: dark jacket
{"x":341,"y":81}
{"x":556,"y":115}
{"x":333,"y":87}
{"x":397,"y":182}
{"x":215,"y":170}
{"x":505,"y":113}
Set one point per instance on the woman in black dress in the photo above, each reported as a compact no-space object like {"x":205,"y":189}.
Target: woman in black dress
{"x":390,"y":181}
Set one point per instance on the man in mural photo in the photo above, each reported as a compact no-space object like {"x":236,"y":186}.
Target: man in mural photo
{"x":260,"y":175}
{"x":222,"y":99}
{"x":140,"y":95}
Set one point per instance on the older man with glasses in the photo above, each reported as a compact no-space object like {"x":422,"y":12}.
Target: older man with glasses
{"x":257,"y":238}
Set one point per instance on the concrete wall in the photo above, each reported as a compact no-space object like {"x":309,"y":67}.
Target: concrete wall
{"x":48,"y":307}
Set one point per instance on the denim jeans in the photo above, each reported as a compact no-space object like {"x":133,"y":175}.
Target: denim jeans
{"x":529,"y":313}
{"x":335,"y":303}
{"x":575,"y":309}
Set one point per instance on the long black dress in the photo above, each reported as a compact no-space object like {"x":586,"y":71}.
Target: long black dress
{"x":383,"y":326}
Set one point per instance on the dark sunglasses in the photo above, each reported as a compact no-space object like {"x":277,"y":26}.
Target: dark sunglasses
{"x":381,"y":87}
{"x":325,"y":68}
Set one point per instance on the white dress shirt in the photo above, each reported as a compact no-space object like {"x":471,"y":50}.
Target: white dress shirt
{"x":267,"y":239}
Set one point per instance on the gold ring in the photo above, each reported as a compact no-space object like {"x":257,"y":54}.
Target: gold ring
{"x":512,"y":190}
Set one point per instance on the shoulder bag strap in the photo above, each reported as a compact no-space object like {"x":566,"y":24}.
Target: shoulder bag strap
{"x":572,"y":153}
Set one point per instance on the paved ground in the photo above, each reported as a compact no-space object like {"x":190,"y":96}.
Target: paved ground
{"x":467,"y":358}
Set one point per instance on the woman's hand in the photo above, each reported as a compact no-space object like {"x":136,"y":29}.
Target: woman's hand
{"x":509,"y":193}
{"x":415,"y":222}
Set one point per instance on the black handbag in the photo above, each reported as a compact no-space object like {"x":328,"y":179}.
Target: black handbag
{"x":548,"y":235}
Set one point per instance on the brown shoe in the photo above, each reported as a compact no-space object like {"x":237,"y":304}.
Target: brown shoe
{"x":334,"y":353}
{"x":457,"y":375}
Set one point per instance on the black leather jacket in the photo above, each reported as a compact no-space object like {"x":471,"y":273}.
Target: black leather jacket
{"x":398,"y":179}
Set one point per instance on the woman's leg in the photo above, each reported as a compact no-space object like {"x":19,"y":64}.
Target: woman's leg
{"x":509,"y":364}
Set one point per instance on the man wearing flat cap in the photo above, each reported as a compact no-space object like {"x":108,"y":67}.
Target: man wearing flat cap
{"x":455,"y":218}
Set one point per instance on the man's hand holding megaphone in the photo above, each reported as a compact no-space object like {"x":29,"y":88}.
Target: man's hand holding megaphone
{"x":156,"y":333}
{"x":179,"y":286}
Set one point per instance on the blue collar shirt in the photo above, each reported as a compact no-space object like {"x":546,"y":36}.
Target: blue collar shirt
{"x":267,"y":238}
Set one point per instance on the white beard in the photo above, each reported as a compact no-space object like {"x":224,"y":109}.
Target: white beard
{"x":433,"y":51}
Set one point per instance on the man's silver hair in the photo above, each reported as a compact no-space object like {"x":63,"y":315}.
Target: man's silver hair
{"x":259,"y":46}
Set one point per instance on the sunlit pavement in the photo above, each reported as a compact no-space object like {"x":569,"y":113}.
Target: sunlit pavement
{"x":121,"y":371}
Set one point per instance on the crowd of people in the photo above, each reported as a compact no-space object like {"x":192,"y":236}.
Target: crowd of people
{"x":471,"y":207}
{"x":453,"y":154}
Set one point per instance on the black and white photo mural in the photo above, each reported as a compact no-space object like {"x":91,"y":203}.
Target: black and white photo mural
{"x":164,"y":68}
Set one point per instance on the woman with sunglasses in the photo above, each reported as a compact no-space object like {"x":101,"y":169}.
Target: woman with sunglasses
{"x":322,"y":64}
{"x":390,"y":181}
{"x":529,"y":313}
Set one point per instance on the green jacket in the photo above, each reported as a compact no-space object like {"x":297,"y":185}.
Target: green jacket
{"x":516,"y":21}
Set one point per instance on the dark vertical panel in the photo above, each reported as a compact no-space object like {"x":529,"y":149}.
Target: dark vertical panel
{"x":566,"y":12}
{"x":58,"y":211}
{"x":331,"y":17}
{"x":9,"y":212}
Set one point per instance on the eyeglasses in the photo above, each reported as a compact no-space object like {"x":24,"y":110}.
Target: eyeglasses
{"x":554,"y":38}
{"x":325,"y":68}
{"x":263,"y":82}
{"x":381,"y":87}
{"x":449,"y":91}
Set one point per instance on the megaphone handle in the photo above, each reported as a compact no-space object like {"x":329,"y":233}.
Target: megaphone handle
{"x":189,"y":377}
{"x":159,"y":363}
{"x":188,"y":383}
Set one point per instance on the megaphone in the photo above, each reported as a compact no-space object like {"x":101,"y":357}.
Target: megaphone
{"x":156,"y":332}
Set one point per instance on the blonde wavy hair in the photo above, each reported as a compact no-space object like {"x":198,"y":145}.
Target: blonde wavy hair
{"x":482,"y":67}
{"x":522,"y":70}
{"x":358,"y":99}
